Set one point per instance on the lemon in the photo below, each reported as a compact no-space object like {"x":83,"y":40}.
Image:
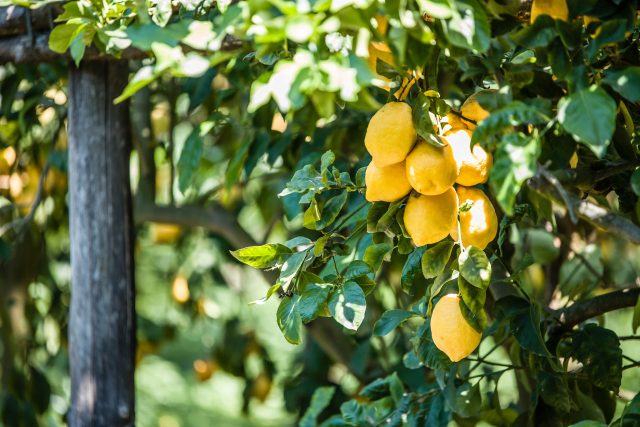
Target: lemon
{"x":428,"y":219}
{"x":431,"y":170}
{"x":386,"y":184}
{"x":557,"y":9}
{"x":180,"y":289}
{"x":474,"y":163}
{"x":451,"y":122}
{"x":390,"y":134}
{"x":451,"y":332}
{"x":471,"y":109}
{"x":478,"y":224}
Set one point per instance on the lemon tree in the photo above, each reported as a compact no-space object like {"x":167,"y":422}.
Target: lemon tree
{"x":443,"y":197}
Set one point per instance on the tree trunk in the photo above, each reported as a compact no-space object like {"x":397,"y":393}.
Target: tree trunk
{"x":102,"y":314}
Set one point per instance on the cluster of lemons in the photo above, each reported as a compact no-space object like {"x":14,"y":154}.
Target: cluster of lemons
{"x":444,"y":201}
{"x":401,"y":162}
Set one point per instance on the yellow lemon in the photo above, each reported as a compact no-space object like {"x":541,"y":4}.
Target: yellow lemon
{"x":479,"y":223}
{"x":452,"y":121}
{"x":471,"y":109}
{"x":390,"y":134}
{"x":557,"y":9}
{"x":180,"y":289}
{"x":428,"y":219}
{"x":431,"y":170}
{"x":165,"y":233}
{"x":386,"y":184}
{"x":474,"y":164}
{"x":451,"y":332}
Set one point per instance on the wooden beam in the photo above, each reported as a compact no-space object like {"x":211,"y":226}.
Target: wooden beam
{"x":102,"y":315}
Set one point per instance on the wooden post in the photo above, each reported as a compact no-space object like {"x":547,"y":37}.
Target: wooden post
{"x":102,"y":318}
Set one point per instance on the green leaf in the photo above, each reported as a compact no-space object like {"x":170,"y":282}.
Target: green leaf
{"x":189,"y":159}
{"x":411,"y":269}
{"x":524,"y":322}
{"x":291,"y":267}
{"x":435,"y":259}
{"x":514,"y":163}
{"x":469,"y":27}
{"x":63,"y":35}
{"x":313,"y":299}
{"x":475,"y":267}
{"x":319,"y":401}
{"x":539,"y":34}
{"x":625,"y":81}
{"x":143,"y":77}
{"x":555,"y":392}
{"x":347,"y":305}
{"x":598,"y":349}
{"x":289,"y":320}
{"x":589,"y":115}
{"x":162,"y":12}
{"x":635,"y":321}
{"x":472,"y":304}
{"x":515,"y":113}
{"x":374,"y":255}
{"x":330,"y":210}
{"x":390,"y":320}
{"x":272,"y":290}
{"x":427,"y":351}
{"x":376,"y":211}
{"x":356,"y":269}
{"x":264,"y":256}
{"x":635,"y":182}
{"x":589,"y":423}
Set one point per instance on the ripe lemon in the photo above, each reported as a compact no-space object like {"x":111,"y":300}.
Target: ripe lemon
{"x":432,"y":170}
{"x":451,"y":332}
{"x":451,"y":122}
{"x":428,"y":219}
{"x":386,"y":184}
{"x":479,"y":224}
{"x":180,"y":289}
{"x":474,"y":164}
{"x":390,"y":134}
{"x":471,"y":109}
{"x":557,"y":9}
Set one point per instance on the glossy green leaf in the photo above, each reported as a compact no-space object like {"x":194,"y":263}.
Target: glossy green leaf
{"x":625,"y":81}
{"x":313,"y":300}
{"x":347,"y":305}
{"x":390,"y":320}
{"x":590,"y":116}
{"x":264,"y":256}
{"x":289,"y":320}
{"x":435,"y":259}
{"x":319,"y":401}
{"x":411,"y":270}
{"x":374,"y":255}
{"x":475,"y":267}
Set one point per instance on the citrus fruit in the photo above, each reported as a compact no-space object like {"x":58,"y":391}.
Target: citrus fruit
{"x":557,"y":9}
{"x":479,"y":223}
{"x":180,"y":289}
{"x":390,"y":134}
{"x":471,"y":109}
{"x":451,"y":332}
{"x":431,"y":170}
{"x":452,"y":121}
{"x":474,"y":163}
{"x":386,"y":184}
{"x":428,"y":219}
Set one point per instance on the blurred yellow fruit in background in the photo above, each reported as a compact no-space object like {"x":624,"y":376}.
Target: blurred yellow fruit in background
{"x":557,"y":9}
{"x":180,"y":289}
{"x":471,"y":109}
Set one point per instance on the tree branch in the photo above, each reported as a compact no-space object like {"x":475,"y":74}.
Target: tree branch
{"x":593,"y":307}
{"x":588,"y":211}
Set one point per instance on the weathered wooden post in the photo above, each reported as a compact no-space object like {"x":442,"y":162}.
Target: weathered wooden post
{"x":102,"y":319}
